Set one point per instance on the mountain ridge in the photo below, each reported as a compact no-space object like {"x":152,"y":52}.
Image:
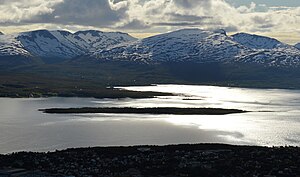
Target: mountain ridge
{"x":185,"y":45}
{"x":195,"y":45}
{"x":58,"y":43}
{"x":257,"y":42}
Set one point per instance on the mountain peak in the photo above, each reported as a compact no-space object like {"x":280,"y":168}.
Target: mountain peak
{"x":221,"y":31}
{"x":188,"y":31}
{"x":59,"y":44}
{"x":92,"y":32}
{"x":256,"y":42}
{"x":34,"y":34}
{"x":40,"y":31}
{"x":195,"y":33}
{"x":62,"y":32}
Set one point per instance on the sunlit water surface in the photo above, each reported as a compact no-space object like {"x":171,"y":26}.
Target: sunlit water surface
{"x":274,"y":120}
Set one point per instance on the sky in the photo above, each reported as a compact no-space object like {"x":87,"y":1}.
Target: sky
{"x":141,"y":18}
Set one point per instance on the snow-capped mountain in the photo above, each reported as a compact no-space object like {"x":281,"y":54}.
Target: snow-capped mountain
{"x":297,"y":46}
{"x":97,"y":40}
{"x":186,"y":45}
{"x":10,"y":46}
{"x":256,"y":42}
{"x":59,"y":44}
{"x":44,"y":44}
{"x":183,"y":45}
{"x":204,"y":46}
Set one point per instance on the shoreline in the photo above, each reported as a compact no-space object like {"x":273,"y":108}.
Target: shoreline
{"x":118,"y":92}
{"x":183,"y":146}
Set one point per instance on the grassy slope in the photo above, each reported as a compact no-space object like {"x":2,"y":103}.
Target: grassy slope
{"x":90,"y":79}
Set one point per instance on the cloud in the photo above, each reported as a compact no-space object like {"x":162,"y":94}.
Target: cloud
{"x":16,"y":11}
{"x":97,"y":13}
{"x":134,"y":24}
{"x":207,"y":14}
{"x":150,"y":16}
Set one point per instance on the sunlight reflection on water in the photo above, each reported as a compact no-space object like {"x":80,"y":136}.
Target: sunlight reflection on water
{"x":22,"y":127}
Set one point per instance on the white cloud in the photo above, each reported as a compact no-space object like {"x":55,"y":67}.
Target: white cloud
{"x":14,"y":11}
{"x":150,"y":16}
{"x":207,"y":14}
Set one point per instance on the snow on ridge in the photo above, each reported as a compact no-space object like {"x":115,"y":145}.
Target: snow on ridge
{"x":180,"y":45}
{"x":98,"y":40}
{"x":59,"y":43}
{"x":257,"y":42}
{"x":203,"y":46}
{"x":191,"y":44}
{"x":10,"y":46}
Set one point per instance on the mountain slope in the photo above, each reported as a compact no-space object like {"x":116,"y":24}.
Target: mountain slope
{"x":58,"y":44}
{"x":43,"y":43}
{"x":256,"y":42}
{"x":186,"y":45}
{"x":195,"y":45}
{"x":10,"y":46}
{"x":100,"y":40}
{"x":181,"y":45}
{"x":297,"y":46}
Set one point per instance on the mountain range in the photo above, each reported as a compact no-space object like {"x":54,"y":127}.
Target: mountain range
{"x":186,"y":45}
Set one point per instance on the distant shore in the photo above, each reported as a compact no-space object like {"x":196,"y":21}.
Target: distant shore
{"x":158,"y":110}
{"x":172,"y":160}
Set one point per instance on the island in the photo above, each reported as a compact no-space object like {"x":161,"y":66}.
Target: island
{"x":156,"y":110}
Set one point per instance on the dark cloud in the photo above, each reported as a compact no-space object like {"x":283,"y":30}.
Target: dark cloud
{"x":193,"y":3}
{"x":262,"y":23}
{"x":183,"y":24}
{"x":267,"y":26}
{"x":230,"y":28}
{"x":260,"y":20}
{"x":87,"y":12}
{"x":134,"y":24}
{"x":181,"y":17}
{"x":77,"y":12}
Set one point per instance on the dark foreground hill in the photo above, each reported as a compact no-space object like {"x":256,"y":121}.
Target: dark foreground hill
{"x":150,"y":161}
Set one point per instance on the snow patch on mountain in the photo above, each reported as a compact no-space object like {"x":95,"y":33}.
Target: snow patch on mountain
{"x":256,"y":42}
{"x":204,"y":46}
{"x":44,"y":44}
{"x":10,"y":46}
{"x":59,"y":44}
{"x":101,"y":40}
{"x":186,"y":45}
{"x":283,"y":56}
{"x":181,"y":45}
